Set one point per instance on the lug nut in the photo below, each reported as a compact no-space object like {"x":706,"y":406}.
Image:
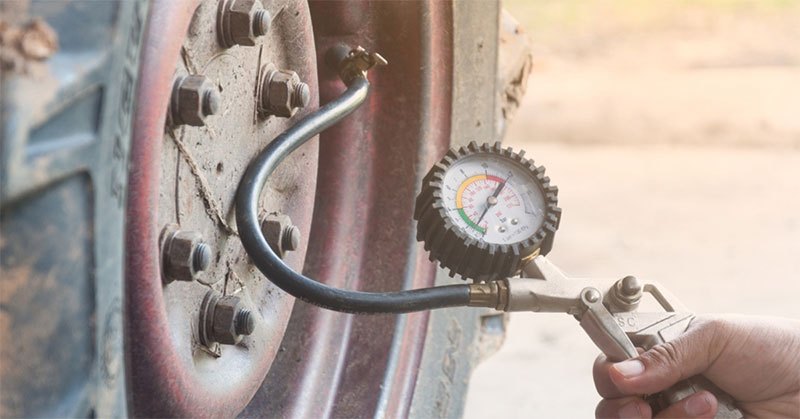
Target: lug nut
{"x":281,"y":234}
{"x":184,"y":255}
{"x":240,"y":22}
{"x":193,"y":99}
{"x":281,"y":93}
{"x":224,"y":319}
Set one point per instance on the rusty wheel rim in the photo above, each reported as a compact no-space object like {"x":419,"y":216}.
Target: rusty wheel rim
{"x":187,"y":175}
{"x":327,"y":363}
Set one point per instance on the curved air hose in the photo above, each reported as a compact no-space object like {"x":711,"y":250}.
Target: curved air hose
{"x":307,"y":289}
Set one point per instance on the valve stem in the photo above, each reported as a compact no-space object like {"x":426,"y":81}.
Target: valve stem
{"x":353,"y":62}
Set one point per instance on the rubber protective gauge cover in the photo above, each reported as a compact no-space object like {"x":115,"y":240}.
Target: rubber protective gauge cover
{"x":484,"y":211}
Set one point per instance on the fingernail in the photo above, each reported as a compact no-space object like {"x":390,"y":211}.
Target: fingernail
{"x":630,"y":411}
{"x":630,"y":368}
{"x":698,"y":404}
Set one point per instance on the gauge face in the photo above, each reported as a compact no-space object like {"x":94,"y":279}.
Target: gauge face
{"x":493,"y":198}
{"x":485,"y":211}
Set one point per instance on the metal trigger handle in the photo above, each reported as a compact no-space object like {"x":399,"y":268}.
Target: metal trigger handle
{"x":607,"y":311}
{"x":647,"y":330}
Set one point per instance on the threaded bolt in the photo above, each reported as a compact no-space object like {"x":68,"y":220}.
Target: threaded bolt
{"x":201,"y":259}
{"x":210,"y":102}
{"x":261,"y":22}
{"x":301,"y":95}
{"x":244,"y":323}
{"x":290,"y":239}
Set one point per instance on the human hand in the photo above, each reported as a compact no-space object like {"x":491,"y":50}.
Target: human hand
{"x":756,"y":360}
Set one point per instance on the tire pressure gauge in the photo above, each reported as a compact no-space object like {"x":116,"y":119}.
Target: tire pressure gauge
{"x":485,"y":211}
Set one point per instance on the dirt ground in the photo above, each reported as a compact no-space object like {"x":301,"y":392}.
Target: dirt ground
{"x":673,"y":133}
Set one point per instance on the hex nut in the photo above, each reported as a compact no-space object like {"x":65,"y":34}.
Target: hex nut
{"x":184,"y":255}
{"x":240,"y":22}
{"x":224,"y":319}
{"x":282,"y":236}
{"x":625,"y":295}
{"x":194,"y":98}
{"x":281,"y":92}
{"x":628,"y":290}
{"x":224,"y":323}
{"x":206,"y":323}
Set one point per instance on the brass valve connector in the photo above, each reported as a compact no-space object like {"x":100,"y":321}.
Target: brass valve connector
{"x":491,"y":294}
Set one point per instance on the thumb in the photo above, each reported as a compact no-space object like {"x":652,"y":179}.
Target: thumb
{"x":666,"y":364}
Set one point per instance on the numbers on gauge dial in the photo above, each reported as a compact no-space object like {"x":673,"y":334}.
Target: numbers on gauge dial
{"x":492,"y":198}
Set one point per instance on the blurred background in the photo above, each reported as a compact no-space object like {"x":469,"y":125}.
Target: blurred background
{"x":672,"y":129}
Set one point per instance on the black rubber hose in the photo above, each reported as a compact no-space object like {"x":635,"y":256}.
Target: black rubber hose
{"x":307,"y":289}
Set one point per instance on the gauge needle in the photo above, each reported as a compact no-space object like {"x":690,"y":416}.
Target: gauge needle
{"x":492,"y":200}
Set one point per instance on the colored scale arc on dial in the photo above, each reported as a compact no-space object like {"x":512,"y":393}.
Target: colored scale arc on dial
{"x":460,"y":195}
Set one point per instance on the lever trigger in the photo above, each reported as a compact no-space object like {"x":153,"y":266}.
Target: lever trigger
{"x":603,"y":329}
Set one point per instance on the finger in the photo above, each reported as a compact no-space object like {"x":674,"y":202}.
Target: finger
{"x":626,"y":407}
{"x":699,"y":405}
{"x":602,"y":381}
{"x":665,"y":364}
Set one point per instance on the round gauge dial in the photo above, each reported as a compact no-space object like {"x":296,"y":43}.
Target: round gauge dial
{"x":493,"y":198}
{"x":485,"y":211}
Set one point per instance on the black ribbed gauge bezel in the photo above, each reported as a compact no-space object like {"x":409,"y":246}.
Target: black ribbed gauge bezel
{"x":464,"y":255}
